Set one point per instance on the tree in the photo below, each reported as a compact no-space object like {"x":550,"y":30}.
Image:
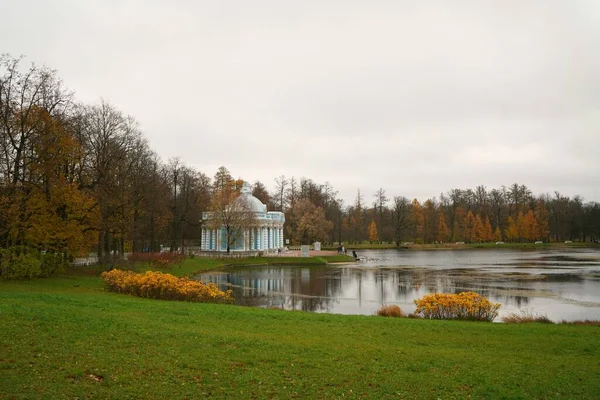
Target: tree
{"x":222,"y":179}
{"x":498,"y":234}
{"x":232,"y":213}
{"x":488,"y":233}
{"x":541,"y":216}
{"x":480,"y":234}
{"x":373,"y":234}
{"x":442,"y":233}
{"x":511,"y":233}
{"x":401,"y":218}
{"x":469,"y":228}
{"x":260,"y":192}
{"x":280,"y":191}
{"x":357,"y":218}
{"x":312,"y":224}
{"x":379,"y":205}
{"x":417,"y":216}
{"x":429,"y":221}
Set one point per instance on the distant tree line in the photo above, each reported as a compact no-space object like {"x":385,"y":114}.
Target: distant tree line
{"x":76,"y":178}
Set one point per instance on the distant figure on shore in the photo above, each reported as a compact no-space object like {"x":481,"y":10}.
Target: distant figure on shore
{"x":354,"y":254}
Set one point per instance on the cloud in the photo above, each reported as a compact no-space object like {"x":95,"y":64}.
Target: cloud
{"x":415,"y":97}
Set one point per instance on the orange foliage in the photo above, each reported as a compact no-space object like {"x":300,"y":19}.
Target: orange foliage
{"x":156,"y":285}
{"x":391,"y":311}
{"x":464,"y":306}
{"x":443,"y":232}
{"x":373,"y":235}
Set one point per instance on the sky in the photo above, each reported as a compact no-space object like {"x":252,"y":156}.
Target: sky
{"x":415,"y":97}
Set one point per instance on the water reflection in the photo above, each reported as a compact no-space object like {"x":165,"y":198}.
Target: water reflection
{"x":558,"y":284}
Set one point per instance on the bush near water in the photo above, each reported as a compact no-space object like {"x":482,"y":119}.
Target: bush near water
{"x":156,"y":285}
{"x":463,"y":306}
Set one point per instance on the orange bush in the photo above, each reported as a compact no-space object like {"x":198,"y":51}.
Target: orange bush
{"x":391,"y":311}
{"x":156,"y":285}
{"x":465,"y":306}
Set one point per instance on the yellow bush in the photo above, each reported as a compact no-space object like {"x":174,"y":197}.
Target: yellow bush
{"x":465,"y":305}
{"x":156,"y":285}
{"x":391,"y":311}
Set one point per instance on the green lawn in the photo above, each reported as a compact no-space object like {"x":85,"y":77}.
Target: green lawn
{"x":65,"y":337}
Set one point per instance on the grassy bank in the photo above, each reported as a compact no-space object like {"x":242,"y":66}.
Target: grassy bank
{"x":199,"y":264}
{"x":65,"y":337}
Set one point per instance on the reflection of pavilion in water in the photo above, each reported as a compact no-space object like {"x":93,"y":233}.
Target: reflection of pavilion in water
{"x":290,"y":288}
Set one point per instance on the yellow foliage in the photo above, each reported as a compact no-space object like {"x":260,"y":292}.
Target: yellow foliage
{"x":465,"y":306}
{"x":156,"y":285}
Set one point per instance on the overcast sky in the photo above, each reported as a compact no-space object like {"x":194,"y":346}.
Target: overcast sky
{"x":417,"y":97}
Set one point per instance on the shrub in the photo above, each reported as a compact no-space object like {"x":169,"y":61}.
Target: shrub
{"x":53,"y":263}
{"x":463,"y":306}
{"x":19,"y":263}
{"x":526,"y":317}
{"x":391,"y":311}
{"x":156,"y":285}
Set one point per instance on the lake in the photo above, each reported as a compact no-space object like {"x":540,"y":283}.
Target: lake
{"x":561,"y":284}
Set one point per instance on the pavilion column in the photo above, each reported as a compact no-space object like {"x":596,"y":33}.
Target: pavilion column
{"x":203,"y":239}
{"x":281,"y":237}
{"x":265,"y":238}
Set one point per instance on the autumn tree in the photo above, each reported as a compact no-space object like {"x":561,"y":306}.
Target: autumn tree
{"x":373,"y":234}
{"x":429,"y":221}
{"x":511,"y":233}
{"x":479,"y":230}
{"x":469,"y":228}
{"x":417,"y":220}
{"x":312,"y":224}
{"x":541,"y":217}
{"x":442,"y":232}
{"x":488,"y":233}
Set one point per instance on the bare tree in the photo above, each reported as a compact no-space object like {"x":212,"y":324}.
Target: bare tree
{"x":233,"y":213}
{"x":401,"y":218}
{"x":280,"y":191}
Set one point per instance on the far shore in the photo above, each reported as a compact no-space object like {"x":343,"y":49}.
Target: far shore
{"x":462,"y":246}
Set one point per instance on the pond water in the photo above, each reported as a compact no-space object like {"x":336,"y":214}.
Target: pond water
{"x":563,"y":285}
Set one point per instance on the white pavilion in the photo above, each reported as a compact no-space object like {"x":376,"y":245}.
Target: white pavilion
{"x":266,"y":236}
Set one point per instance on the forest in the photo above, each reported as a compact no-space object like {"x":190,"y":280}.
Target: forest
{"x":78,"y":178}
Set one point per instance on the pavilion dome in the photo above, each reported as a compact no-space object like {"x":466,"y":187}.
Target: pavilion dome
{"x":253,"y":203}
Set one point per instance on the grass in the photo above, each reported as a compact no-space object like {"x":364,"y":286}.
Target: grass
{"x":65,"y":337}
{"x":191,"y":266}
